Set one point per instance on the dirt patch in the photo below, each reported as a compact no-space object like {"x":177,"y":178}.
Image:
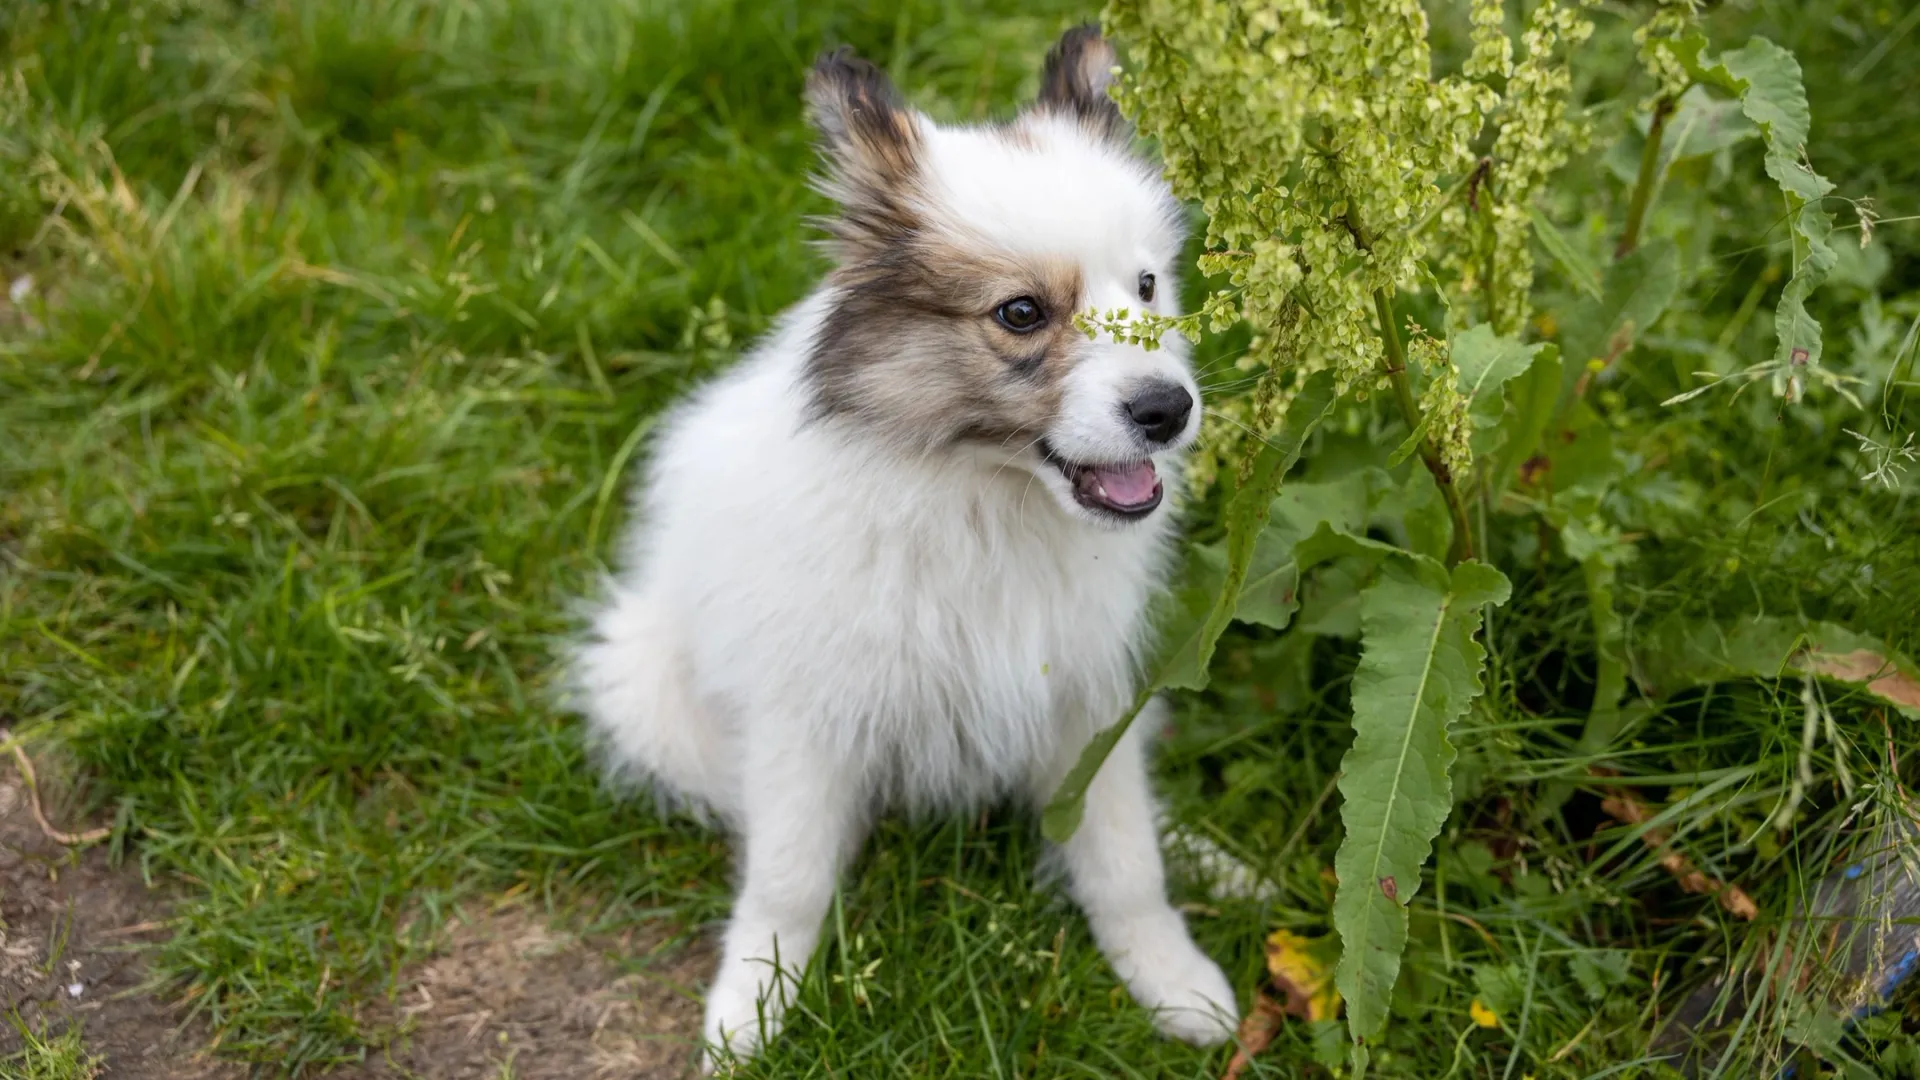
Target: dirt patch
{"x":508,"y":995}
{"x":71,"y":927}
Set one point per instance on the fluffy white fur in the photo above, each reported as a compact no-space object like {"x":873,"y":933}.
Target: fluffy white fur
{"x":813,"y":625}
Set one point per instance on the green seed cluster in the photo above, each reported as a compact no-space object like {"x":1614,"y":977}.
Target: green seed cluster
{"x":1317,"y":137}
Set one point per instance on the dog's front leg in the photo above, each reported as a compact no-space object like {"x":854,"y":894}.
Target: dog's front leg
{"x":1115,"y":874}
{"x":801,"y":823}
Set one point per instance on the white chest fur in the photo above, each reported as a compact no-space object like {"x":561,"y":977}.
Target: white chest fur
{"x":935,"y":622}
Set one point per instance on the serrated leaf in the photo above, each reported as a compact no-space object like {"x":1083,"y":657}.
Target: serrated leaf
{"x":1765,"y":78}
{"x":1185,"y":664}
{"x":1419,"y":670}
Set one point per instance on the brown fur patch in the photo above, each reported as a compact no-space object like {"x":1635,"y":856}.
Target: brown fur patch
{"x":913,"y":349}
{"x":1079,"y":70}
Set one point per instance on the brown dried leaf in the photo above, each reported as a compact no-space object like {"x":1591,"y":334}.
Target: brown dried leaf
{"x":1256,"y":1032}
{"x":1624,"y":807}
{"x":1883,"y":679}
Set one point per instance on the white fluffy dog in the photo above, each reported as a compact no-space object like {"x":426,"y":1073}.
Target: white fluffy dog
{"x":900,"y":556}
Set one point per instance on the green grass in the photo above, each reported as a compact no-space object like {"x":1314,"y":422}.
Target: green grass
{"x":348,"y":319}
{"x":42,"y":1057}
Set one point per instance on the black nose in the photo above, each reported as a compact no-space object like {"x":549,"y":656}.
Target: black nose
{"x":1161,"y":410}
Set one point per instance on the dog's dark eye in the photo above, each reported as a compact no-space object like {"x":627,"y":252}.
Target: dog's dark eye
{"x":1146,"y":286}
{"x":1021,"y":315}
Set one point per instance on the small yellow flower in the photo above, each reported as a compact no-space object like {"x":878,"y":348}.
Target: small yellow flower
{"x":1482,"y":1015}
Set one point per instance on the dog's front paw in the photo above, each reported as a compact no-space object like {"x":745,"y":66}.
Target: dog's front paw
{"x":1187,"y":993}
{"x":743,"y":1012}
{"x":1191,"y":999}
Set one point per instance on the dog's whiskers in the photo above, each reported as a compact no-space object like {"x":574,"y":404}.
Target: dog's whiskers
{"x":1035,"y":442}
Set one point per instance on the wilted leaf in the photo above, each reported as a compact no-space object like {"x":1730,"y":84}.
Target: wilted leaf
{"x":1883,"y":678}
{"x":1302,"y":969}
{"x":1625,"y":807}
{"x":1256,"y":1032}
{"x":1419,"y":670}
{"x":1681,"y":652}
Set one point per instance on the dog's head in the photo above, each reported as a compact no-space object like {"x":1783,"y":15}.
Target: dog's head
{"x":964,"y":254}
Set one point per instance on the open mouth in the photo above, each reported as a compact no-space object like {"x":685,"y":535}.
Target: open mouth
{"x":1128,"y":490}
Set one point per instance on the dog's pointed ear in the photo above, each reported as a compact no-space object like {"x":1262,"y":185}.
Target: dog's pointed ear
{"x":870,"y":141}
{"x":1079,"y":70}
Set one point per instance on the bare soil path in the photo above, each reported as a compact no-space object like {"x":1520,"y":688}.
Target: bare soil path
{"x":506,"y":995}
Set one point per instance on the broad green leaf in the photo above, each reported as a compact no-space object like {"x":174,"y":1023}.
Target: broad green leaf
{"x":1185,"y":664}
{"x":1418,"y":510}
{"x":1270,"y":595}
{"x":1580,"y":270}
{"x":1700,"y":124}
{"x":1419,"y":670}
{"x":1635,"y":292}
{"x":1346,"y":503}
{"x":1529,"y":408}
{"x":1682,"y":652}
{"x":1485,"y":362}
{"x":1765,"y":78}
{"x":1581,"y":458}
{"x":1327,"y":543}
{"x":1183,"y":610}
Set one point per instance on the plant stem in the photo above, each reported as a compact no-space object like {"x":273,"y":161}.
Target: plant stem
{"x":1643,"y":185}
{"x":1462,"y":547}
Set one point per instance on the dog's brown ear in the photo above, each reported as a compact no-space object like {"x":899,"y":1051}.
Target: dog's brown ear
{"x":1079,"y":70}
{"x":870,"y":141}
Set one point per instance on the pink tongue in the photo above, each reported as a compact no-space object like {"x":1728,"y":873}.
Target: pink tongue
{"x":1127,"y":485}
